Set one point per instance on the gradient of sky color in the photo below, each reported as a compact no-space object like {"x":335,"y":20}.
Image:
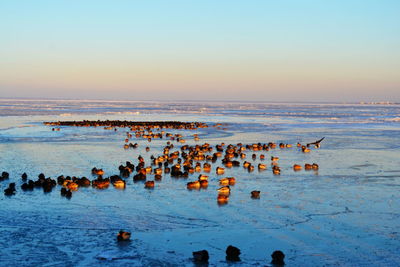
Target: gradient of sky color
{"x":280,"y":50}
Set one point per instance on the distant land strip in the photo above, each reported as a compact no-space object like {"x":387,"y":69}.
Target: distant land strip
{"x":131,"y":124}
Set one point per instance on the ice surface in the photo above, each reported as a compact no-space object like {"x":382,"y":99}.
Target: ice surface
{"x":346,"y":214}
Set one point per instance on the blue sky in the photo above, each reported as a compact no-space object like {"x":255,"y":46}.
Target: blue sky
{"x":220,"y":50}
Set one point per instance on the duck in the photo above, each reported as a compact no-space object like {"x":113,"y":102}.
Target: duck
{"x":304,"y":149}
{"x":224,"y":190}
{"x":71,"y":185}
{"x":204,"y":184}
{"x":228,"y":164}
{"x":68,"y":194}
{"x":135,"y":145}
{"x":149,"y":184}
{"x":63,"y":191}
{"x":217,"y":154}
{"x":197,"y":168}
{"x":297,"y":167}
{"x":227,"y":181}
{"x":83,"y":182}
{"x":10,"y":190}
{"x":220,"y":170}
{"x":48,"y":184}
{"x":276,"y":170}
{"x":28,"y":186}
{"x":315,"y":166}
{"x":262,"y":166}
{"x":222,"y":199}
{"x":250,"y":168}
{"x":235,"y":163}
{"x":278,"y":258}
{"x":123,"y":236}
{"x":96,"y":171}
{"x":307,"y":166}
{"x":101,"y":183}
{"x":200,"y":256}
{"x":193,"y":185}
{"x":158,"y":171}
{"x":148,"y":169}
{"x":4,"y":176}
{"x":232,"y":253}
{"x":224,"y":181}
{"x":232,"y":180}
{"x":255,"y":194}
{"x":120,"y":184}
{"x":246,"y":164}
{"x":203,"y":177}
{"x":139,"y":177}
{"x":206,"y":167}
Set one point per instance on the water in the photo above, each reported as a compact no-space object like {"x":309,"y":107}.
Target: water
{"x":346,"y":214}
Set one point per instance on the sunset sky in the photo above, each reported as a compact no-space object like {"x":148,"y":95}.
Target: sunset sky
{"x":280,"y":50}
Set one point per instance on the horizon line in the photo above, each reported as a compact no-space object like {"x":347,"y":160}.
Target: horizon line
{"x":361,"y":102}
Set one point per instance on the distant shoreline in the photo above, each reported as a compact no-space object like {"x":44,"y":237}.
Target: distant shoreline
{"x":199,"y":101}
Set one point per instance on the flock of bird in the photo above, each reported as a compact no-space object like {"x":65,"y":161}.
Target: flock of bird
{"x":183,"y":161}
{"x":202,"y":256}
{"x":180,"y":162}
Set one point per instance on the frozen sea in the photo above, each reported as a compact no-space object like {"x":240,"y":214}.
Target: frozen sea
{"x":346,"y":214}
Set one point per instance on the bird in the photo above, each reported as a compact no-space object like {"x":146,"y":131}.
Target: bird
{"x":232,"y":253}
{"x":224,"y":190}
{"x":255,"y":194}
{"x":316,"y":143}
{"x":201,"y":256}
{"x":278,"y":258}
{"x":123,"y":236}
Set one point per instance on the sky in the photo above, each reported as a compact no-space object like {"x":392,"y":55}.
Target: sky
{"x":267,"y":50}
